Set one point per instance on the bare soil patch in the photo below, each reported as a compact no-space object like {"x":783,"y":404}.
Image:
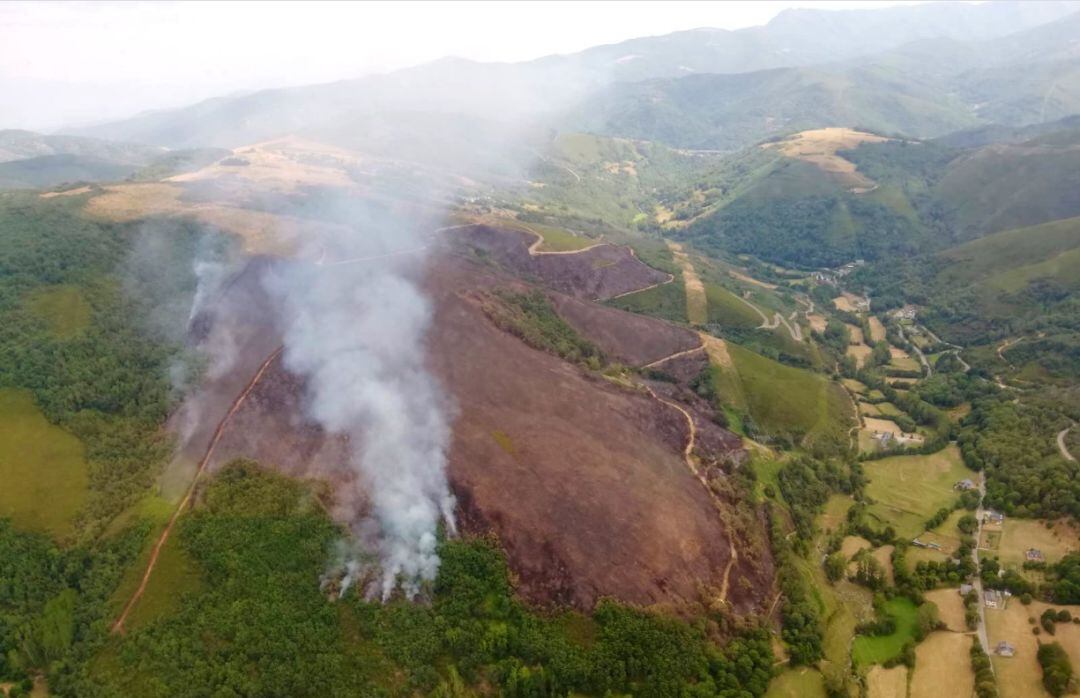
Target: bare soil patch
{"x":853,"y":544}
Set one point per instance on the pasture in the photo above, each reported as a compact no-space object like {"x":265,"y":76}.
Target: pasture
{"x":876,"y":649}
{"x":1017,"y":535}
{"x":797,"y":683}
{"x":950,"y":607}
{"x":943,"y":666}
{"x":908,"y":490}
{"x":42,"y":468}
{"x":1020,"y":676}
{"x":887,"y":683}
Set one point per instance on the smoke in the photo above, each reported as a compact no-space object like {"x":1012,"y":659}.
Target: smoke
{"x":354,"y":325}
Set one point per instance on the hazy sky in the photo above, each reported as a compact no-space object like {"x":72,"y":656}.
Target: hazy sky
{"x":73,"y":63}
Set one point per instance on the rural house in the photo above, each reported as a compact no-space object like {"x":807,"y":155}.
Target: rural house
{"x":964,"y":485}
{"x":1004,"y":649}
{"x":966,"y":589}
{"x":1034,"y":555}
{"x":993,"y":517}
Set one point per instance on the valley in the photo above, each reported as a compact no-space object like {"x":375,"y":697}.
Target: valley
{"x":718,"y":363}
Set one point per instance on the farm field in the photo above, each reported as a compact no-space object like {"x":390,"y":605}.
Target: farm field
{"x":887,"y":683}
{"x":696,"y":308}
{"x":797,"y":683}
{"x":951,"y":607}
{"x":174,"y":576}
{"x":877,"y":330}
{"x":943,"y":666}
{"x":42,"y":468}
{"x":859,"y":352}
{"x":854,"y":385}
{"x":867,"y":650}
{"x":908,"y":490}
{"x":1020,"y":676}
{"x":853,"y":544}
{"x":1017,"y":535}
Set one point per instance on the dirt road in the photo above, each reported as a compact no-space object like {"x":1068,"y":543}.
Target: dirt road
{"x":722,"y":510}
{"x":118,"y":626}
{"x":1061,"y":444}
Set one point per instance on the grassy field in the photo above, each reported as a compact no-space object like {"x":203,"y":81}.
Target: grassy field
{"x":62,"y":307}
{"x":867,"y":650}
{"x":1018,"y":535}
{"x":908,"y":490}
{"x":797,"y":683}
{"x":175,"y":575}
{"x":667,"y":301}
{"x":877,"y":330}
{"x":854,"y":385}
{"x":834,"y":513}
{"x":943,"y":666}
{"x":42,"y":468}
{"x":560,"y":240}
{"x":783,"y":400}
{"x":727,"y":310}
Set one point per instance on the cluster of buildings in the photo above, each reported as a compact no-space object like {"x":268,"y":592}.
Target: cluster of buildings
{"x":833,"y":276}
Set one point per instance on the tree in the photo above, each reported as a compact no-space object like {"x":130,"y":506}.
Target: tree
{"x":835,"y":566}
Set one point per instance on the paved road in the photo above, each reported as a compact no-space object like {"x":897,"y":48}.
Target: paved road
{"x":984,"y":640}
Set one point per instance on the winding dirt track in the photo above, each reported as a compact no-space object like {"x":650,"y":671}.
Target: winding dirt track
{"x":720,"y":508}
{"x":1061,"y":444}
{"x":118,"y":626}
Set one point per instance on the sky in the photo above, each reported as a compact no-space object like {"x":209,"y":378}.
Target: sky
{"x":76,"y":63}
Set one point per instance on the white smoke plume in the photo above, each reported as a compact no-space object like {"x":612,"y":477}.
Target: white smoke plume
{"x":356,"y":331}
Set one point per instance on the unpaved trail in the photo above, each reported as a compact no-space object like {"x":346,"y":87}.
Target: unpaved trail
{"x":1005,"y":345}
{"x":777,"y":319}
{"x":1061,"y":444}
{"x":697,"y":307}
{"x":118,"y":626}
{"x":676,"y":355}
{"x":535,"y":251}
{"x":691,"y":465}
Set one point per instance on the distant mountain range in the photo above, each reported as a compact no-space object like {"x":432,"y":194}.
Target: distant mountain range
{"x":922,"y":70}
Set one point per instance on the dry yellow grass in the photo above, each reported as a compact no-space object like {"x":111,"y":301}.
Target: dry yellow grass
{"x":284,"y":164}
{"x":716,"y":348}
{"x":877,"y":330}
{"x":820,"y":146}
{"x":69,"y":192}
{"x":1020,"y":676}
{"x":951,"y":607}
{"x":751,"y":280}
{"x":817,"y":322}
{"x":887,"y":683}
{"x":844,"y":303}
{"x":697,"y":309}
{"x":897,"y":353}
{"x":855,"y":333}
{"x":859,"y":352}
{"x":881,"y":425}
{"x":943,"y":666}
{"x":1018,"y":535}
{"x":884,"y":557}
{"x":853,"y":544}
